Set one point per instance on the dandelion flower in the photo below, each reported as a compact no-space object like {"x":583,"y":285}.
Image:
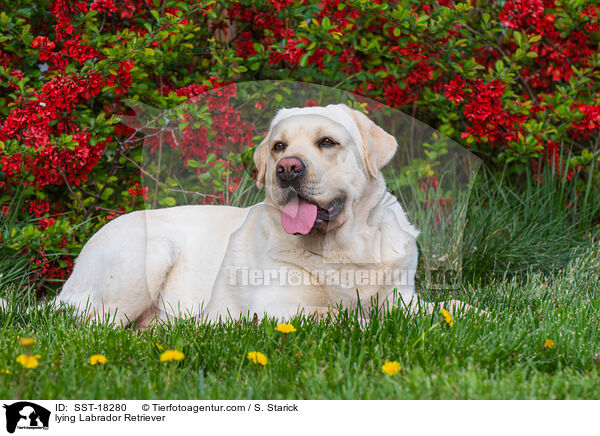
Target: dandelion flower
{"x":285,"y":328}
{"x":391,"y":367}
{"x":98,"y":358}
{"x":171,"y":355}
{"x":28,"y":361}
{"x":549,"y":343}
{"x":447,"y":317}
{"x":158,"y":346}
{"x":27,"y":342}
{"x":258,"y":358}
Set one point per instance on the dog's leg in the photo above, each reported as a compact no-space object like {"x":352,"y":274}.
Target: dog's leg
{"x":120,"y":272}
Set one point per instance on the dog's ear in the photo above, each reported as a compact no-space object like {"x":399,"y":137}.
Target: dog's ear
{"x":379,"y":146}
{"x":260,"y":153}
{"x":260,"y":160}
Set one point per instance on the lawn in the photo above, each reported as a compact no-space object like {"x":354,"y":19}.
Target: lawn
{"x":501,"y":355}
{"x":531,"y":262}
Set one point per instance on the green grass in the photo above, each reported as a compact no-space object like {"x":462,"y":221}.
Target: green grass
{"x":528,"y":259}
{"x":513,"y":229}
{"x":499,"y":356}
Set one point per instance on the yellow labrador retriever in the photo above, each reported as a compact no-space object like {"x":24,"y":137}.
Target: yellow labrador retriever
{"x":327,"y":233}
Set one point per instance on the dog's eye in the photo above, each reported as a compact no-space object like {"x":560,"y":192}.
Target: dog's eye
{"x":326,"y":142}
{"x":278,"y":146}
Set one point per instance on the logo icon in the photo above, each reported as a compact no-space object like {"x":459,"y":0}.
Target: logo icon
{"x":26,"y":415}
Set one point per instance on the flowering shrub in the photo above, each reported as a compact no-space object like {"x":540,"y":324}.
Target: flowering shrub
{"x":515,"y":80}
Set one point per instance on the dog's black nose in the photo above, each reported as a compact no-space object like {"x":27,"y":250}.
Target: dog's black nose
{"x":290,"y":170}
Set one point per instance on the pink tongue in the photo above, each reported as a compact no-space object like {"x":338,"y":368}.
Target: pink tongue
{"x":298,"y":216}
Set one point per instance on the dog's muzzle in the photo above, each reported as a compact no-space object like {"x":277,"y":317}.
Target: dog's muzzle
{"x":290,"y":170}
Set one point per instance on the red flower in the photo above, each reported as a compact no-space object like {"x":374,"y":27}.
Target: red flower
{"x":245,"y":47}
{"x":395,"y":95}
{"x":42,"y":42}
{"x":104,"y":6}
{"x":522,"y":13}
{"x":139,"y":190}
{"x":79,"y":52}
{"x":489,"y":120}
{"x":45,"y":47}
{"x":292,"y":52}
{"x":454,"y":90}
{"x":281,"y":4}
{"x":350,"y":61}
{"x":45,"y":223}
{"x":128,"y":9}
{"x":123,"y":79}
{"x":589,"y":123}
{"x":39,"y":207}
{"x":64,"y":10}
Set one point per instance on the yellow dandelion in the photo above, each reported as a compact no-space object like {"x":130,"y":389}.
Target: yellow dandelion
{"x":5,"y":371}
{"x":391,"y":367}
{"x":158,"y":346}
{"x":549,"y":343}
{"x":258,"y":358}
{"x":171,"y":355}
{"x":447,"y":317}
{"x":28,"y":361}
{"x":27,"y":342}
{"x":98,"y":359}
{"x":285,"y":328}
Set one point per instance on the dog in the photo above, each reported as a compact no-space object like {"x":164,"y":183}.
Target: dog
{"x":327,"y":234}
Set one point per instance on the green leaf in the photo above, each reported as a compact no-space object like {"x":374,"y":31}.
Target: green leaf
{"x":193,"y":163}
{"x":422,"y":19}
{"x":518,"y":38}
{"x":304,"y":59}
{"x":268,"y":327}
{"x":210,"y":158}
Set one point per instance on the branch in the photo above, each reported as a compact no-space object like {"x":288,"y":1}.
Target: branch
{"x":62,"y":173}
{"x":154,"y":179}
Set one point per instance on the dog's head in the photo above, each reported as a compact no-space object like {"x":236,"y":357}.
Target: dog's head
{"x":316,"y":163}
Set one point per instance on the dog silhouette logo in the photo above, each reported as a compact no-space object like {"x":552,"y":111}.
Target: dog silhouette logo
{"x":26,"y":415}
